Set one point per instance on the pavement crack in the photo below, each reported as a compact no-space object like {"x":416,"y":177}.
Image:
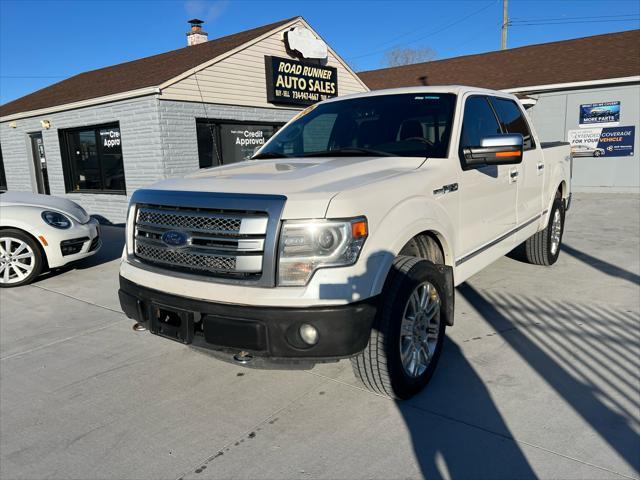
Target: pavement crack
{"x":251,"y":432}
{"x":55,"y":342}
{"x":79,"y":299}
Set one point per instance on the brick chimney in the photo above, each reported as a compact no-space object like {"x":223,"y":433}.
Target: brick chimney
{"x":196,"y":35}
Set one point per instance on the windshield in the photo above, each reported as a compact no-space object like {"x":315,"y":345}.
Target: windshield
{"x":407,"y":125}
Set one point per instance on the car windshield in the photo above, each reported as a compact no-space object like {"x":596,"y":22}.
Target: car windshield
{"x":407,"y":125}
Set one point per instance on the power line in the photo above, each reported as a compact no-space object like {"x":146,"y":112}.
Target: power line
{"x":544,"y":19}
{"x":577,"y":21}
{"x":430,"y":33}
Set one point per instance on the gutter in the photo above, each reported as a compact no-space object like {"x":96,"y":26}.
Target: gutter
{"x":141,"y":92}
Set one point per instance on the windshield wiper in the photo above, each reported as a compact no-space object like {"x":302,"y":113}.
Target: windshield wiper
{"x":269,"y":155}
{"x":349,"y":151}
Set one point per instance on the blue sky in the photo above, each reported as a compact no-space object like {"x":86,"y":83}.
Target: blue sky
{"x":42,"y":42}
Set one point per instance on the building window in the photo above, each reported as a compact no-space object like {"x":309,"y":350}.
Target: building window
{"x":221,"y":142}
{"x":3,"y":178}
{"x":92,"y":159}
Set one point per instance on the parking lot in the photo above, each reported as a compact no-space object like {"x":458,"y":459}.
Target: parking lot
{"x":539,"y":378}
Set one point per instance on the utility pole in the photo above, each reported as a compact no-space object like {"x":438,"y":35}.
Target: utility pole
{"x":505,"y":24}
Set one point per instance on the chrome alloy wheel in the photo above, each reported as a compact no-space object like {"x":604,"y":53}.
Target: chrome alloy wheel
{"x":17,"y":260}
{"x":419,"y":329}
{"x":556,"y":231}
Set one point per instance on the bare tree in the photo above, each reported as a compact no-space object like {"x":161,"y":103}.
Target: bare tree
{"x":407,"y":56}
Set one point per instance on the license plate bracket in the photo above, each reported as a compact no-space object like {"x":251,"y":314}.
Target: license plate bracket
{"x":173,"y":323}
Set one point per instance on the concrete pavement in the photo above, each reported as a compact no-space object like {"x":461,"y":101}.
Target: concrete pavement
{"x":539,"y":378}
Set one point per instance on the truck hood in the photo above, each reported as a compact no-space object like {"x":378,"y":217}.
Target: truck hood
{"x":46,"y":202}
{"x":308,"y":183}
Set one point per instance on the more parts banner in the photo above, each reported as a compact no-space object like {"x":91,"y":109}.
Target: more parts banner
{"x":603,"y":142}
{"x":601,"y":114}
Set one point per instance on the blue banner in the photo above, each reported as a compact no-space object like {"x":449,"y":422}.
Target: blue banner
{"x":599,"y":113}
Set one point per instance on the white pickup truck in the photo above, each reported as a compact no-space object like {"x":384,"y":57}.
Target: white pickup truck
{"x":345,"y":235}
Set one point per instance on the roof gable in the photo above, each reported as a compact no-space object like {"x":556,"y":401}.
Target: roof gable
{"x":612,"y":55}
{"x":145,"y":72}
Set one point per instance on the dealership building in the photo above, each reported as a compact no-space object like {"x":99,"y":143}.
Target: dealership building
{"x":98,"y":136}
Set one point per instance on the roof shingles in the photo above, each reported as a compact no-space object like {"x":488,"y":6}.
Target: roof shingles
{"x":145,"y":72}
{"x":612,"y":55}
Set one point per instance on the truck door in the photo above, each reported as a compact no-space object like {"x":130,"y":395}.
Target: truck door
{"x":530,"y":173}
{"x":488,"y":193}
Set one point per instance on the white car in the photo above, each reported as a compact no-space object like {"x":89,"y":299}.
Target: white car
{"x":39,"y":232}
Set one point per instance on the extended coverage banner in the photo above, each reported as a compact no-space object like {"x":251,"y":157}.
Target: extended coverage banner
{"x":298,"y":83}
{"x":602,"y":114}
{"x":603,"y":142}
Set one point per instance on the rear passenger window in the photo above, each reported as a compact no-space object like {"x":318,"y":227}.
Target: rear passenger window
{"x":478,"y":122}
{"x":513,"y":120}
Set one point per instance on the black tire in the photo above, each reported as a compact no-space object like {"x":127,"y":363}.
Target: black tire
{"x":37,"y":257}
{"x":538,"y":248}
{"x":424,"y":246}
{"x":379,"y":367}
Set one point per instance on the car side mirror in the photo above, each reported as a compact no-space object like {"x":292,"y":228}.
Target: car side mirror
{"x":502,"y":149}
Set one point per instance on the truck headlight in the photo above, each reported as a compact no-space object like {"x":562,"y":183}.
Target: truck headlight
{"x":56,"y":219}
{"x":308,"y":245}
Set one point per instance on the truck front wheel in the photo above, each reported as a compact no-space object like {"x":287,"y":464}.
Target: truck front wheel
{"x":407,"y":335}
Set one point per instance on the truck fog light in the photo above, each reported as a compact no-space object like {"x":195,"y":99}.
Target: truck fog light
{"x":309,"y":334}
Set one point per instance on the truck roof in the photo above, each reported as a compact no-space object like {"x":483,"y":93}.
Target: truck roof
{"x":455,"y":89}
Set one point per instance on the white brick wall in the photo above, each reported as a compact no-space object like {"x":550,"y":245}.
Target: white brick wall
{"x":141,"y":150}
{"x":158,"y":141}
{"x":178,"y":126}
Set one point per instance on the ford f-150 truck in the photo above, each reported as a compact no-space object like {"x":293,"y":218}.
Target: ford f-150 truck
{"x":346,"y":233}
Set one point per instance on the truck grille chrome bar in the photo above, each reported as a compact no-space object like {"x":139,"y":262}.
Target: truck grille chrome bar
{"x":216,"y":243}
{"x":221,"y":238}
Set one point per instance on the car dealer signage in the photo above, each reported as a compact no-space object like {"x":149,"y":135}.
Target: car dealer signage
{"x":602,"y":142}
{"x":297,"y":83}
{"x":304,"y":81}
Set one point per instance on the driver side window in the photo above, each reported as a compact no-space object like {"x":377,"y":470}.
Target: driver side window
{"x":478,"y":122}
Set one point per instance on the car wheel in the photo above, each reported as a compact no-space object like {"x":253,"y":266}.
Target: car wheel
{"x":597,"y":153}
{"x":543,"y":248}
{"x":408,"y":333}
{"x":20,"y":258}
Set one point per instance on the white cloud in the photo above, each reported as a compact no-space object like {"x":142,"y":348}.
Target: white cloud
{"x":207,"y":11}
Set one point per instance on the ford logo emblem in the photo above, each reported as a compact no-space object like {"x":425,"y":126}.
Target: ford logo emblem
{"x":174,"y":238}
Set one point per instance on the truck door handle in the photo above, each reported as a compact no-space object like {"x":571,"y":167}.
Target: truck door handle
{"x":541,"y":166}
{"x":514,"y":174}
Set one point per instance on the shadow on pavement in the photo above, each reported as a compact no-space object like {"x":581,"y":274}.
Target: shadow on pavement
{"x":604,"y":267}
{"x":442,"y":451}
{"x":585,"y":373}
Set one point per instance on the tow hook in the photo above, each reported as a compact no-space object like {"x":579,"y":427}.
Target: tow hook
{"x":243,"y":357}
{"x":138,"y":327}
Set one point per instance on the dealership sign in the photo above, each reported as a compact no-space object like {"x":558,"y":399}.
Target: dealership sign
{"x":601,"y":114}
{"x":602,"y":142}
{"x":297,"y":83}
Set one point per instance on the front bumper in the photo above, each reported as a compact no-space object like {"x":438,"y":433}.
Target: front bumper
{"x":267,"y":332}
{"x":78,"y":242}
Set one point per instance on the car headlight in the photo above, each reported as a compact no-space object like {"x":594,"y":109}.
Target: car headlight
{"x":56,"y":219}
{"x":306,"y":246}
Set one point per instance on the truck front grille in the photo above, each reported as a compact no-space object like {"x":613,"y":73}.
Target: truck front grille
{"x":218,"y":243}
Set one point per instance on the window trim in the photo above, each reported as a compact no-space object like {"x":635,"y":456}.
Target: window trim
{"x":68,"y":167}
{"x":524,"y":117}
{"x":216,"y":124}
{"x":463,"y":164}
